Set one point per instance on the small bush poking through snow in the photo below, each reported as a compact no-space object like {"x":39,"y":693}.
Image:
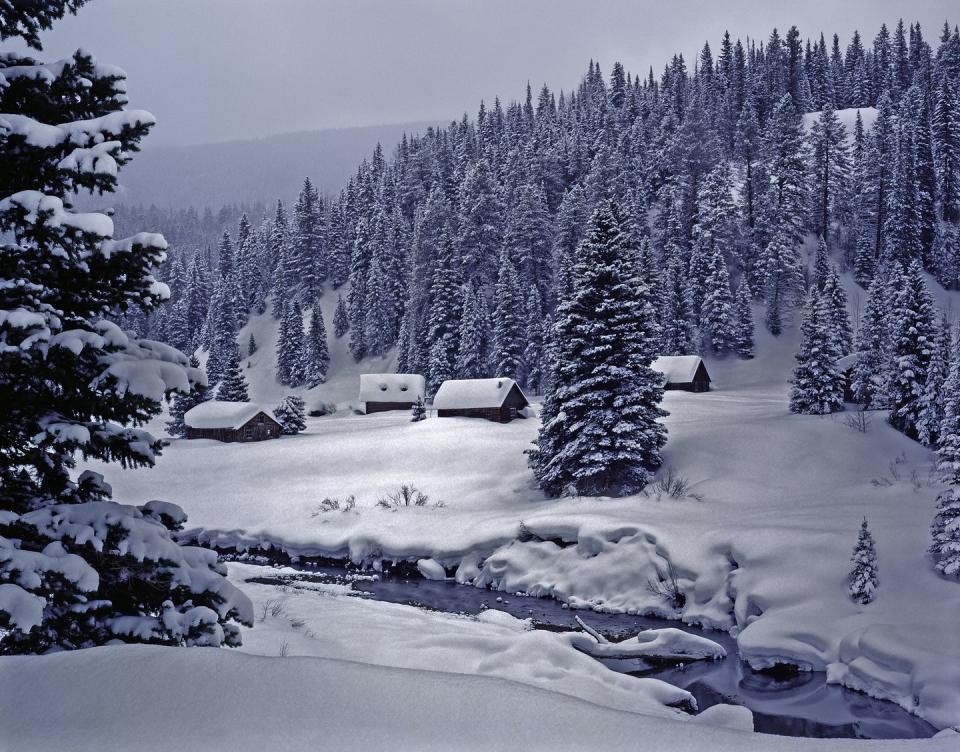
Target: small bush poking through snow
{"x":667,"y":587}
{"x":324,"y":408}
{"x":407,"y":495}
{"x":336,"y":504}
{"x":672,"y":485}
{"x":858,"y":420}
{"x":863,"y":577}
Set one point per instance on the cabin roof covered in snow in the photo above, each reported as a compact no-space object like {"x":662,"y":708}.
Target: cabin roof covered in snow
{"x":391,"y":387}
{"x":218,"y":414}
{"x":677,"y":369}
{"x":466,"y":394}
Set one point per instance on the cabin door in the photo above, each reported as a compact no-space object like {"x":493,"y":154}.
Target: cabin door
{"x":261,"y":432}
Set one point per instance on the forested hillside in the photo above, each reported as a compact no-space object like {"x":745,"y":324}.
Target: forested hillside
{"x":457,"y":247}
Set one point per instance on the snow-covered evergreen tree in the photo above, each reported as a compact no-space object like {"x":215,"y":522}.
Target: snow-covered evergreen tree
{"x":341,"y":322}
{"x":912,"y":344}
{"x":419,"y":411}
{"x":782,"y":281}
{"x":233,"y":385}
{"x":291,"y":347}
{"x":251,"y":345}
{"x":291,"y":414}
{"x":869,"y":383}
{"x":817,"y":384}
{"x":862,"y":582}
{"x":79,"y":384}
{"x":508,"y":332}
{"x":835,"y":302}
{"x":600,"y":434}
{"x":717,"y":320}
{"x":182,"y":403}
{"x":932,"y":409}
{"x":318,"y":354}
{"x":743,"y":321}
{"x":446,"y":308}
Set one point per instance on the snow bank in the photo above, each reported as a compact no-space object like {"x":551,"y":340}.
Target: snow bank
{"x":666,"y":644}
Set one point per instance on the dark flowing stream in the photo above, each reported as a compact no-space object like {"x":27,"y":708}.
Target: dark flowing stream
{"x":784,"y":702}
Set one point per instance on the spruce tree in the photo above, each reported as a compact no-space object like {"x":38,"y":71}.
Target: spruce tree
{"x":821,"y":265}
{"x":446,"y":308}
{"x":862,"y":582}
{"x":419,"y":411}
{"x":306,"y":239}
{"x":912,"y":344}
{"x":251,"y":345}
{"x":73,"y":383}
{"x":932,"y":408}
{"x":233,"y":386}
{"x":291,"y":347}
{"x":318,"y":354}
{"x":508,"y":332}
{"x":869,"y":388}
{"x":182,"y":403}
{"x":291,"y":414}
{"x":341,"y":323}
{"x":600,"y":434}
{"x":470,"y":361}
{"x":743,"y":321}
{"x":945,"y":534}
{"x":830,"y":170}
{"x":717,"y":321}
{"x":835,"y":301}
{"x":782,"y":282}
{"x":817,"y":384}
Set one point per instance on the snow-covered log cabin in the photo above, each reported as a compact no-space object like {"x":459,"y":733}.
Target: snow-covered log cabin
{"x":380,"y":392}
{"x":499,"y":399}
{"x":685,"y":372}
{"x":230,"y":421}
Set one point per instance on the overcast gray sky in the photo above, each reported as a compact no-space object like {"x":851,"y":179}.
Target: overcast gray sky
{"x":214,"y":70}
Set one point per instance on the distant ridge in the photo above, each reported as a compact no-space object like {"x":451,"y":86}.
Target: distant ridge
{"x":263,"y":169}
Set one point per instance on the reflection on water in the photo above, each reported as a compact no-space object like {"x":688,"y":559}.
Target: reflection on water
{"x":785,"y":703}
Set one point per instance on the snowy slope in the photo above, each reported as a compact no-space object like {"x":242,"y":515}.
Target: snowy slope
{"x":763,"y":554}
{"x":224,"y":700}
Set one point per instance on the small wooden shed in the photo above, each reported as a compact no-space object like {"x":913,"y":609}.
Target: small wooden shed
{"x":380,"y":392}
{"x":684,"y":372}
{"x":230,"y":421}
{"x":499,"y":399}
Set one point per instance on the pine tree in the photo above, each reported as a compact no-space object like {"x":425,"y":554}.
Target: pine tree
{"x":862,"y":581}
{"x":912,"y":345}
{"x":932,"y":406}
{"x":717,"y":320}
{"x":359,"y":270}
{"x":279,"y":262}
{"x":470,"y":357}
{"x":291,"y":347}
{"x":743,"y":321}
{"x":782,"y":282}
{"x":80,"y":385}
{"x":533,"y":370}
{"x":508,"y":332}
{"x":600,"y":433}
{"x":869,"y":388}
{"x":251,"y":345}
{"x":318,"y":354}
{"x":786,"y":196}
{"x":945,"y":534}
{"x":291,"y":414}
{"x":446,"y":308}
{"x":821,"y":265}
{"x":419,"y":411}
{"x":233,"y":386}
{"x":817,"y":385}
{"x":306,"y":241}
{"x":341,"y":323}
{"x":835,"y":302}
{"x":830,"y":170}
{"x":182,"y":403}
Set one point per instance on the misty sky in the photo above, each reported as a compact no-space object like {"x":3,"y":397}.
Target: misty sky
{"x":214,"y":70}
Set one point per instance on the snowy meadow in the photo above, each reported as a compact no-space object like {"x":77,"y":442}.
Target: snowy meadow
{"x":614,"y":415}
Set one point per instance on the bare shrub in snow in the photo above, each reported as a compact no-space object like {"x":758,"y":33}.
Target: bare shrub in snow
{"x":335,"y":504}
{"x":672,"y":485}
{"x":407,"y":495}
{"x":667,"y":587}
{"x":284,"y":649}
{"x":858,"y":420}
{"x":272,"y":607}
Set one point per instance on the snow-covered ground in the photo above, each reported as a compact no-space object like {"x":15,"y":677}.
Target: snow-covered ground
{"x":363,"y":675}
{"x":763,"y":551}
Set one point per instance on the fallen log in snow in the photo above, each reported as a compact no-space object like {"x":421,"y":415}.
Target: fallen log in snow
{"x":663,"y":644}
